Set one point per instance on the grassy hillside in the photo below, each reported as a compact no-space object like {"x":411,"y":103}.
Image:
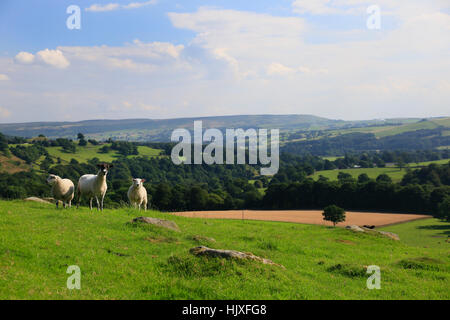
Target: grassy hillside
{"x":13,"y":164}
{"x":390,"y":130}
{"x":123,"y":261}
{"x":83,"y":154}
{"x":428,"y":233}
{"x":396,"y":174}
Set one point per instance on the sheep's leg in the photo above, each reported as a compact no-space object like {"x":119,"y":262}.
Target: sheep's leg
{"x":64,"y":205}
{"x":98,"y":203}
{"x":139,"y":206}
{"x":70,"y":203}
{"x":145,"y":206}
{"x":90,"y":203}
{"x":103,"y":198}
{"x":57,"y":203}
{"x":79,"y":199}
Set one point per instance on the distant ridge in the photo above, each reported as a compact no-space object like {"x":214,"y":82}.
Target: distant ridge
{"x":160,"y":129}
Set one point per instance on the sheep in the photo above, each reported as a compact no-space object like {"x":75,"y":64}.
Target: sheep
{"x":94,"y":186}
{"x":62,"y":189}
{"x":137,"y":194}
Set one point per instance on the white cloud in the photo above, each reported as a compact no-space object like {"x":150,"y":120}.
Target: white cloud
{"x":4,"y":113}
{"x":279,"y":69}
{"x":24,"y":58}
{"x":53,"y":58}
{"x":245,"y":62}
{"x":4,"y":77}
{"x":102,"y":8}
{"x":316,"y":7}
{"x":116,"y":6}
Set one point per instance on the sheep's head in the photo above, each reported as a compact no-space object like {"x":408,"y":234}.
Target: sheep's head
{"x":138,"y":182}
{"x":52,"y":179}
{"x":104,"y":167}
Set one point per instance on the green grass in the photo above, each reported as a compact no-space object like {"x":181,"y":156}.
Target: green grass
{"x":83,"y":154}
{"x":123,"y":261}
{"x":395,"y":173}
{"x":428,"y":233}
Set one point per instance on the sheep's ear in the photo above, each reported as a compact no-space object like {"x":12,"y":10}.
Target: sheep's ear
{"x":110,"y":165}
{"x":143,"y":180}
{"x":99,"y":165}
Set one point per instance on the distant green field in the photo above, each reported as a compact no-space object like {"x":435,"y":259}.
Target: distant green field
{"x":119,"y":260}
{"x":428,"y":233}
{"x":90,"y":151}
{"x":395,"y":173}
{"x":426,"y":163}
{"x":390,"y":130}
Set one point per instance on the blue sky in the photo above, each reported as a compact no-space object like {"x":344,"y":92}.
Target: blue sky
{"x":164,"y":59}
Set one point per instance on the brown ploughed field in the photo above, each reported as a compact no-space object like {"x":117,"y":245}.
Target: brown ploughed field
{"x":306,"y":216}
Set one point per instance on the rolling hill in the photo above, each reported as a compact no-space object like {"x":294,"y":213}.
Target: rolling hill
{"x":160,"y":130}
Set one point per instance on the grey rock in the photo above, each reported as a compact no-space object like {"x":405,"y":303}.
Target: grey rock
{"x":158,"y":222}
{"x":230,"y":254}
{"x":355,"y":228}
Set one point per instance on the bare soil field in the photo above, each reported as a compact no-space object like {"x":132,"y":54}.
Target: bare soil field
{"x":306,"y":216}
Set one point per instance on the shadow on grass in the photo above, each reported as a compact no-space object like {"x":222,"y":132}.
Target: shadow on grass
{"x":445,"y":228}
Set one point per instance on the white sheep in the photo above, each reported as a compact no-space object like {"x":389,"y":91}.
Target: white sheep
{"x":94,"y":186}
{"x":62,"y":190}
{"x":137,"y":194}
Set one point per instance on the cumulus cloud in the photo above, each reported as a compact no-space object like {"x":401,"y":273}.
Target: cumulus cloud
{"x":24,"y":58}
{"x":4,"y":77}
{"x":116,"y":6}
{"x":246,"y":62}
{"x":53,"y":58}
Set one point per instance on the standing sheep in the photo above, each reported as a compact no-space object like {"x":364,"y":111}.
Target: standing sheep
{"x":137,"y":194}
{"x":94,"y":186}
{"x":62,"y":189}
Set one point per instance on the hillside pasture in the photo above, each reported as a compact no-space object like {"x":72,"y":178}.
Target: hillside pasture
{"x":396,"y":174}
{"x":119,"y":260}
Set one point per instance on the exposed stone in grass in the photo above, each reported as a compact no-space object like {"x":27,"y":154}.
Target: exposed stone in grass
{"x":230,"y":254}
{"x":391,"y":235}
{"x":36,"y":199}
{"x":354,"y":228}
{"x":158,"y":222}
{"x":202,"y":238}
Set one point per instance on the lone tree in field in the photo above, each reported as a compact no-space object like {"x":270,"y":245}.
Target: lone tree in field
{"x":334,"y":214}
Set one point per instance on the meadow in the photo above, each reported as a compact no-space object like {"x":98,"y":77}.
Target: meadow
{"x":83,"y":154}
{"x":119,"y":260}
{"x":395,"y":173}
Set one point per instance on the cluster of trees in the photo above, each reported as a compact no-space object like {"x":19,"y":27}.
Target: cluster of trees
{"x":216,"y":187}
{"x":29,"y":153}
